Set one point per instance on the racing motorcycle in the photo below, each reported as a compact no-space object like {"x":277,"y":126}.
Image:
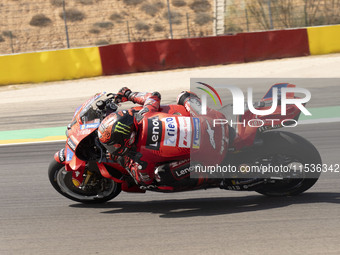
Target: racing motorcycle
{"x":81,"y":172}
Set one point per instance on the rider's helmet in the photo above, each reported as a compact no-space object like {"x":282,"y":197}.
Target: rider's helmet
{"x":117,"y":132}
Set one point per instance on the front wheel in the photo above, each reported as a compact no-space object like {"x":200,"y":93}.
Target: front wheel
{"x":290,"y":150}
{"x":98,"y":190}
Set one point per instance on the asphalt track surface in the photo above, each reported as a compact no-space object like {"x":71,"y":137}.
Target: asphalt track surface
{"x":35,"y":219}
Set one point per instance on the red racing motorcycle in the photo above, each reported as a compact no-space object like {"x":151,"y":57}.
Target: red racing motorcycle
{"x":269,"y":162}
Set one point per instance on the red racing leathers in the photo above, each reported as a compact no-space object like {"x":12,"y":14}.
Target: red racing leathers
{"x":168,"y":141}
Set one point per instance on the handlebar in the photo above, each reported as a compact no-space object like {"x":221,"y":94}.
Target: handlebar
{"x":107,"y":106}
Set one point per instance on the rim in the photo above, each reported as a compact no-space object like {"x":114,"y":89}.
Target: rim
{"x":64,"y":180}
{"x":292,"y":179}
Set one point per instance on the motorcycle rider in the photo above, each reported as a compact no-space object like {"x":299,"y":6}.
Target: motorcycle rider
{"x":119,"y":133}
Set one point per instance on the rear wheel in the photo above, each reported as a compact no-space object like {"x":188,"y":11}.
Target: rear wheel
{"x":294,"y":153}
{"x":98,"y":189}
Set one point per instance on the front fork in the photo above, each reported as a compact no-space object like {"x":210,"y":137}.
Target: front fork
{"x":80,"y":173}
{"x":74,"y":165}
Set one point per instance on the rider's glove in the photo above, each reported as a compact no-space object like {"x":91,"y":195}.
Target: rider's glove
{"x":119,"y":159}
{"x":123,"y":95}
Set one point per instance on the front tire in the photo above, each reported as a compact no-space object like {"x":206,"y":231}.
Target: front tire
{"x":61,"y":181}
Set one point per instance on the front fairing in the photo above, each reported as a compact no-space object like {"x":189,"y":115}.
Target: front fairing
{"x":85,"y":121}
{"x":76,"y":134}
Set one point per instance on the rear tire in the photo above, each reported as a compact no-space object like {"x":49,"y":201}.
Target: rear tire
{"x":61,"y":181}
{"x":299,"y":149}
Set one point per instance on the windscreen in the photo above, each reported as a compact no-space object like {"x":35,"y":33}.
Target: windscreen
{"x":88,"y":113}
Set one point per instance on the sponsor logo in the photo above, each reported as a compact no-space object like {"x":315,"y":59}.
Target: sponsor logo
{"x":61,"y":155}
{"x":179,"y":163}
{"x":122,"y":128}
{"x":85,"y":132}
{"x":184,"y":172}
{"x":154,"y":136}
{"x":91,"y":125}
{"x":170,"y":136}
{"x":197,"y":133}
{"x":71,"y":144}
{"x":76,"y":182}
{"x":264,"y":128}
{"x":211,"y":133}
{"x":69,"y":155}
{"x":185,"y":132}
